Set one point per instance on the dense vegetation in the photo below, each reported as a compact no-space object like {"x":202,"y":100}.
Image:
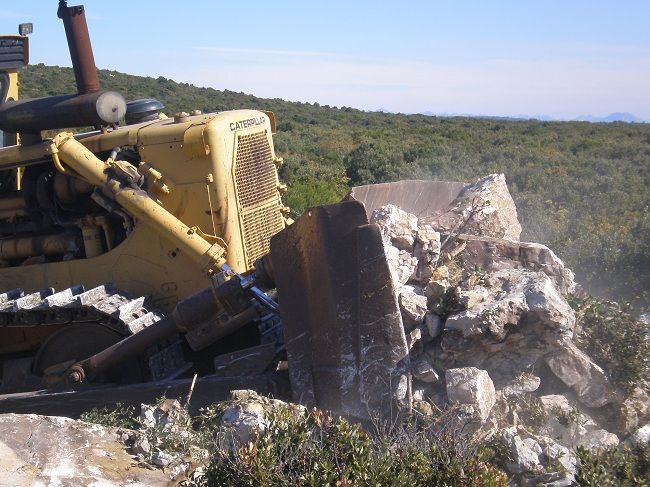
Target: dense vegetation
{"x":624,"y":467}
{"x":580,"y":188}
{"x":614,"y":339}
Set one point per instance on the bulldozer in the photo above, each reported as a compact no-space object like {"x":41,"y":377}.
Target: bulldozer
{"x":140,"y":250}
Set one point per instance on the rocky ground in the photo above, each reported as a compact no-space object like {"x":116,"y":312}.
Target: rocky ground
{"x":490,"y":335}
{"x":489,"y":328}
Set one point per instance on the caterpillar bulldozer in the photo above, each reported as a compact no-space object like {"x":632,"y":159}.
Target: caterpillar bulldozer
{"x":148,"y":249}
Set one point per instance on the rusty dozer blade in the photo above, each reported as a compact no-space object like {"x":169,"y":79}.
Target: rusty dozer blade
{"x":421,"y":198}
{"x":343,"y":331}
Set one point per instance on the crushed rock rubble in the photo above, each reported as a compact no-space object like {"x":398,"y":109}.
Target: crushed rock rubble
{"x":492,"y":332}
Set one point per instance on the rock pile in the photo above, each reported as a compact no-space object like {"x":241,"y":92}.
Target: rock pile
{"x":489,"y":328}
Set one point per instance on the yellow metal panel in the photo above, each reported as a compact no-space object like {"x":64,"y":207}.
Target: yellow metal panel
{"x":144,"y":264}
{"x":18,"y":155}
{"x":194,"y":143}
{"x":12,"y":93}
{"x":199,"y":157}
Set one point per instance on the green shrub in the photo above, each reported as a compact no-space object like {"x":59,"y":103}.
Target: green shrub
{"x":118,"y":415}
{"x":312,"y":192}
{"x":315,"y":449}
{"x":530,"y":410}
{"x":613,"y":467}
{"x":614,"y":338}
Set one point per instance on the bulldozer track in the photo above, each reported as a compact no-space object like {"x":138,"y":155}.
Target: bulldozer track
{"x":105,"y":305}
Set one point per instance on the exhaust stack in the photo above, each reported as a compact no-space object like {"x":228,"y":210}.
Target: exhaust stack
{"x":81,"y":51}
{"x":90,"y":106}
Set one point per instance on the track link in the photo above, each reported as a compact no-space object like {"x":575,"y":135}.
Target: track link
{"x":105,"y":305}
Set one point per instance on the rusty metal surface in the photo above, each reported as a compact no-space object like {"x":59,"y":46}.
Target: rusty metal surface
{"x":81,"y":51}
{"x":54,"y":112}
{"x":421,"y":198}
{"x":57,"y":244}
{"x":345,"y":343}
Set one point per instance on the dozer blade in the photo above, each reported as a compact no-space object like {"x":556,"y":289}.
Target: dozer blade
{"x":343,"y":332}
{"x":421,"y":198}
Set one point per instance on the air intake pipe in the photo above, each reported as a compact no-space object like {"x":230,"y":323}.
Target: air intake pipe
{"x":89,"y":107}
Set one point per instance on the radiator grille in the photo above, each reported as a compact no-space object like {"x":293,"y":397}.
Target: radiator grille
{"x":259,"y":226}
{"x":254,"y":170}
{"x":256,"y":182}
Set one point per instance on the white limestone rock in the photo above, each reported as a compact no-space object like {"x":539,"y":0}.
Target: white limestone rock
{"x":401,"y":264}
{"x":494,"y":254}
{"x":50,"y":450}
{"x":398,"y":226}
{"x":579,"y":372}
{"x":423,"y":371}
{"x":427,"y":251}
{"x":642,"y":435}
{"x":245,"y":416}
{"x":538,"y":460}
{"x":485,"y":208}
{"x":413,"y":307}
{"x":471,"y":386}
{"x":434,"y":325}
{"x":573,"y":427}
{"x":512,"y":295}
{"x":524,"y":383}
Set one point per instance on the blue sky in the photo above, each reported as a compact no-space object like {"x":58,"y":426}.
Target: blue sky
{"x":557,"y":58}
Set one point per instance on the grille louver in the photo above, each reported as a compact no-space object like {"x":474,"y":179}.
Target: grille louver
{"x":256,"y":182}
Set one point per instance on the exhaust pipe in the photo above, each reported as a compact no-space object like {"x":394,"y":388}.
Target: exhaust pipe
{"x":90,"y":106}
{"x":81,"y":51}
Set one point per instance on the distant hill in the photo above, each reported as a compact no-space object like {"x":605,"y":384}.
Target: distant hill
{"x":613,"y":117}
{"x":583,"y":189}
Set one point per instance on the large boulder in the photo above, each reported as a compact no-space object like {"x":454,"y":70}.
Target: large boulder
{"x":475,"y":298}
{"x":482,"y":208}
{"x":522,"y":318}
{"x":578,"y":371}
{"x":50,"y":450}
{"x":473,"y":387}
{"x":510,"y":297}
{"x":494,"y":254}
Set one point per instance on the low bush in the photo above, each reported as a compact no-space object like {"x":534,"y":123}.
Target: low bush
{"x":629,"y":467}
{"x":316,"y":449}
{"x":118,"y":415}
{"x":614,"y":338}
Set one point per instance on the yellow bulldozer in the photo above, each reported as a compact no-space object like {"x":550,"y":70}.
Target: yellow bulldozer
{"x":151,"y":248}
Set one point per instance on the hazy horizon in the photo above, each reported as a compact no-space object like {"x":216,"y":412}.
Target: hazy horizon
{"x":509,"y":59}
